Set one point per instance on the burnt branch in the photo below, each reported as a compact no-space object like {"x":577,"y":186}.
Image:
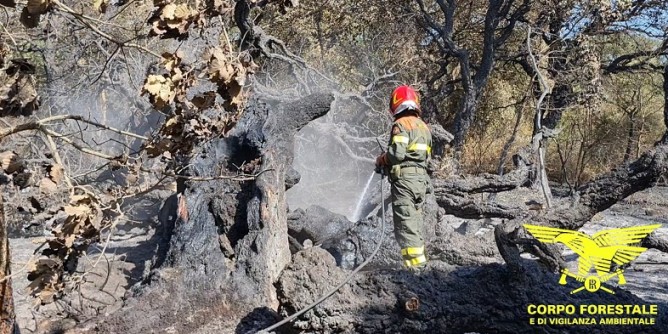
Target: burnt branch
{"x":636,"y":60}
{"x":464,"y":206}
{"x":485,"y":183}
{"x":7,"y":315}
{"x":608,"y":189}
{"x":652,"y":241}
{"x":595,"y":196}
{"x":456,"y":194}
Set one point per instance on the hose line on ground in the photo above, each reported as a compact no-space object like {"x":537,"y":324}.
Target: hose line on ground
{"x":346,"y":280}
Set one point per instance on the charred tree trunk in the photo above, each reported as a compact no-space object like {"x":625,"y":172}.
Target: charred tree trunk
{"x":558,"y":99}
{"x":539,"y":137}
{"x":473,"y":86}
{"x":229,"y":241}
{"x":7,"y":316}
{"x":519,"y":109}
{"x":464,"y":119}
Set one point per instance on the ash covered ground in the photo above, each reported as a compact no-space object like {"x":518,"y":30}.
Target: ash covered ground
{"x":466,"y":288}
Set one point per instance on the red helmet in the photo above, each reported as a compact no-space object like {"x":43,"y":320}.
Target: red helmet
{"x":404,"y":98}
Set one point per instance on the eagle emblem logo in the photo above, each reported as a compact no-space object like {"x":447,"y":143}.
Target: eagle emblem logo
{"x":601,"y":251}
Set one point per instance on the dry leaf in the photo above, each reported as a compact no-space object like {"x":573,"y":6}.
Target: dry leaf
{"x":156,"y":148}
{"x":74,"y":199}
{"x":29,"y":20}
{"x":47,"y":186}
{"x":177,"y":75}
{"x":45,"y":280}
{"x":10,"y":162}
{"x":173,"y":20}
{"x":183,"y":12}
{"x":167,"y":12}
{"x":101,"y":5}
{"x":205,"y":100}
{"x":157,"y":28}
{"x":56,"y":173}
{"x":171,"y":60}
{"x":79,"y":210}
{"x":70,"y":238}
{"x":36,"y":7}
{"x":236,"y":98}
{"x":154,"y":84}
{"x":160,"y":90}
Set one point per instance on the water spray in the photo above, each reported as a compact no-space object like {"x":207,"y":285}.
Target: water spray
{"x":377,"y":170}
{"x":358,"y":207}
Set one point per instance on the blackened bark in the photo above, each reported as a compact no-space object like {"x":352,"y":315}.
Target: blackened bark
{"x":559,"y":99}
{"x":473,"y":87}
{"x":467,"y":207}
{"x":464,"y":119}
{"x":652,"y":241}
{"x":485,"y":183}
{"x":456,"y":194}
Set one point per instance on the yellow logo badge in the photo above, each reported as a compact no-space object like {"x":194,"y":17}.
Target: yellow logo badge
{"x":619,"y":246}
{"x":396,"y":99}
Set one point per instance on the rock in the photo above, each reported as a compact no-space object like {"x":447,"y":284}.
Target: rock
{"x":312,"y":274}
{"x":469,"y":227}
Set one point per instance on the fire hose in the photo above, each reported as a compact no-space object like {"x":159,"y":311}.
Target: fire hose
{"x":348,"y":278}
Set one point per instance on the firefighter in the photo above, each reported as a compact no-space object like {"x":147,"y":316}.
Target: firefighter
{"x":406,"y":162}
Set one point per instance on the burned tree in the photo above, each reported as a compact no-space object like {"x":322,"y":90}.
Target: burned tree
{"x":501,"y":18}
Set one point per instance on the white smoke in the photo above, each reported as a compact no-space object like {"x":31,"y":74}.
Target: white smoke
{"x":335,"y":156}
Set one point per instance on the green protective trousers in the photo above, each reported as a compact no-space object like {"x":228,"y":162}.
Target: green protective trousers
{"x":408,"y":197}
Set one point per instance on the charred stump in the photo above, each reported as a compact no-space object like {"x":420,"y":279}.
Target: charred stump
{"x":226,"y":241}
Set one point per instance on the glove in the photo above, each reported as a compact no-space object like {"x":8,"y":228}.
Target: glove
{"x":380,"y":163}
